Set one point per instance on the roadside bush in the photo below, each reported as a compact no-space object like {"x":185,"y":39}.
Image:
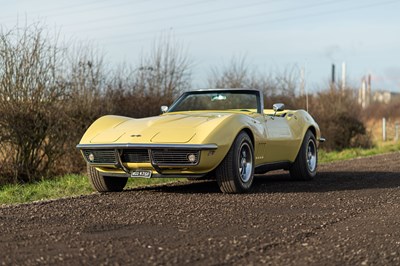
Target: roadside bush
{"x":379,"y":110}
{"x":339,"y":117}
{"x":32,"y":119}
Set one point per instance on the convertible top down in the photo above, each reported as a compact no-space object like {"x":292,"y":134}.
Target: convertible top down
{"x":224,"y":134}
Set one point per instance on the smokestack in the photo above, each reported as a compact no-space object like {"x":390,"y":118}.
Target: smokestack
{"x":302,"y":81}
{"x":360,"y":92}
{"x":369,"y":90}
{"x":363,"y":94}
{"x":343,"y":76}
{"x":333,"y":74}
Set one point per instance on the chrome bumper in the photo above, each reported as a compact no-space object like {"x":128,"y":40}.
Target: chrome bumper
{"x":116,"y":151}
{"x":148,"y":146}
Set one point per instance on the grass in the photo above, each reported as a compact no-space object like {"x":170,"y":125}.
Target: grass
{"x":68,"y":185}
{"x":325,"y":157}
{"x":75,"y":185}
{"x":64,"y":186}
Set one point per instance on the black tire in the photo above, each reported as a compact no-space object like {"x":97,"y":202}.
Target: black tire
{"x":305,"y":166}
{"x":105,"y":183}
{"x":235,"y":174}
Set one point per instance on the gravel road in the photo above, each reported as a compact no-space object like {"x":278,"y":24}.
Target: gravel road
{"x":349,"y":215}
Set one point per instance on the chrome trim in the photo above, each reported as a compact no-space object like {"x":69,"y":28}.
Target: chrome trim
{"x":148,"y":146}
{"x":311,"y":156}
{"x":155,"y":166}
{"x":164,"y":109}
{"x":277,"y":107}
{"x":119,"y":163}
{"x":245,"y":163}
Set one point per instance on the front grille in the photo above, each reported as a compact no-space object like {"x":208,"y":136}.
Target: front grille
{"x":100,"y":156}
{"x":161,"y":157}
{"x":135,"y":156}
{"x":174,"y":157}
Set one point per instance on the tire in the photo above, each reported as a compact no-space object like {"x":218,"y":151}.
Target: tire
{"x":235,"y":174}
{"x":105,"y":183}
{"x":305,"y":166}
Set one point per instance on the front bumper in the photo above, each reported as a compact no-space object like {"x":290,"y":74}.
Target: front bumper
{"x":163,"y":159}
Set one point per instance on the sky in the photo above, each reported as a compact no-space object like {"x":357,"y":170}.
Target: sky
{"x":273,"y":35}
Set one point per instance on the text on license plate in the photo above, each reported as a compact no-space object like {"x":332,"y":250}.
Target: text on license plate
{"x":141,"y":173}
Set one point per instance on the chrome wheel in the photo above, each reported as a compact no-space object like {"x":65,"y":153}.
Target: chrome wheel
{"x":306,"y":163}
{"x":311,"y":156}
{"x":245,"y":162}
{"x":235,"y":174}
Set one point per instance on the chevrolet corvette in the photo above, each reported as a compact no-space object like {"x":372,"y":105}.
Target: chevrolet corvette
{"x":225,"y":134}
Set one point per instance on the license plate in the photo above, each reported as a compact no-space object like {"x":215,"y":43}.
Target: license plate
{"x":141,"y":174}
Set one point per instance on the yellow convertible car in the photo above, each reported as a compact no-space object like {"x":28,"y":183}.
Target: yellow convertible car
{"x":219,"y":133}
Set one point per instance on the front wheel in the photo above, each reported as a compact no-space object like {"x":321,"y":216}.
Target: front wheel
{"x":235,"y":174}
{"x":305,"y":165}
{"x":105,"y":183}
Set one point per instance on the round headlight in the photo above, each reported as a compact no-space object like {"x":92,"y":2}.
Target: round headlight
{"x":91,"y":157}
{"x":192,"y":158}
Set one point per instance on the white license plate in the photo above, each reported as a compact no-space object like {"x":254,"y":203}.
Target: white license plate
{"x":141,"y":174}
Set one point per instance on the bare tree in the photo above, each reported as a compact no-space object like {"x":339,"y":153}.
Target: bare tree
{"x":165,"y":71}
{"x":86,"y":79}
{"x":287,"y":81}
{"x":340,"y":119}
{"x":31,"y":103}
{"x":234,"y":75}
{"x":162,"y":74}
{"x":238,"y":74}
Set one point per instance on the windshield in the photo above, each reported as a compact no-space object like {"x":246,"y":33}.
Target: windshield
{"x":217,"y":100}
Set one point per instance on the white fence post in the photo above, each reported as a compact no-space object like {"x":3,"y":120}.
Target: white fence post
{"x":384,"y":129}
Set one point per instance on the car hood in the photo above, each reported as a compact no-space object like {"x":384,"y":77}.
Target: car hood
{"x":168,"y":128}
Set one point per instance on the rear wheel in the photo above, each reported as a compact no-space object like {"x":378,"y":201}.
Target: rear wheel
{"x":305,"y":165}
{"x":105,"y":183}
{"x":235,"y":174}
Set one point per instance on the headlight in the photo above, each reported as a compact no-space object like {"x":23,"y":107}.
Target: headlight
{"x":91,"y":157}
{"x":192,"y":158}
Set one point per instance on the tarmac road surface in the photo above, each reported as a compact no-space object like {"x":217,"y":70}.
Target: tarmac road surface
{"x":349,"y":215}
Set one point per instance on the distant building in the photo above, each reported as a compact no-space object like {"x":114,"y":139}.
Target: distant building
{"x":382,"y":96}
{"x":366,"y":96}
{"x":364,"y":93}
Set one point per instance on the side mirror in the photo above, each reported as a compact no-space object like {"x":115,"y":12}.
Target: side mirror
{"x":164,"y":109}
{"x":277,"y":107}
